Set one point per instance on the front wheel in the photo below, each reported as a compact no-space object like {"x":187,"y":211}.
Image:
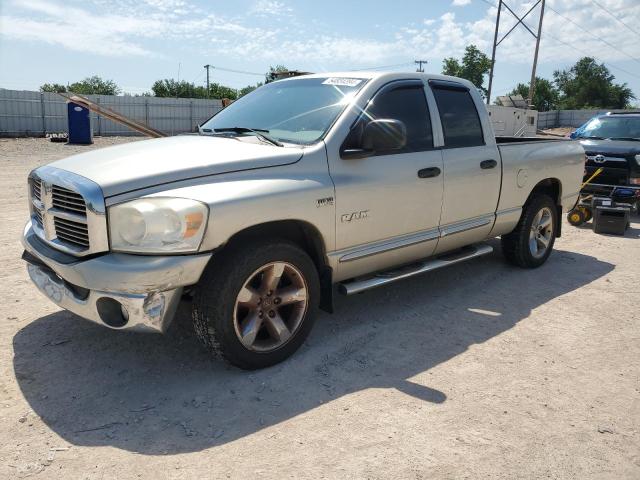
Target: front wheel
{"x":531,"y":242}
{"x":255,"y":305}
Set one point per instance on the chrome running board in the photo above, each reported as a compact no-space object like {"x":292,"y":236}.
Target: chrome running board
{"x":427,"y":265}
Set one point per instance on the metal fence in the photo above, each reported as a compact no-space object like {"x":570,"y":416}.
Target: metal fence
{"x":30,"y":114}
{"x":25,"y":113}
{"x":567,"y":118}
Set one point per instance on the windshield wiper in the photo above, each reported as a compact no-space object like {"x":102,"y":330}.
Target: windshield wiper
{"x":594,"y":138}
{"x":258,"y":132}
{"x":632,"y":139}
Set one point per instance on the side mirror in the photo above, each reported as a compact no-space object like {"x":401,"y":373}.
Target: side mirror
{"x":382,"y":135}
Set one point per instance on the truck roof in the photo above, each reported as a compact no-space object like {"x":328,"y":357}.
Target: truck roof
{"x":381,"y":75}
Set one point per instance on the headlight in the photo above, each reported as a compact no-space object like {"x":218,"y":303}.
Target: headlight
{"x":157,"y":225}
{"x":638,"y":159}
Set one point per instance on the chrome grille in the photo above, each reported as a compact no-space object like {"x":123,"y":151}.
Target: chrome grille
{"x":67,"y":200}
{"x":68,"y":211}
{"x":36,"y":189}
{"x":72,"y":232}
{"x":38,"y":218}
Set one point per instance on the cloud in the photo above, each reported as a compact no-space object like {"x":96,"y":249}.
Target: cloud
{"x":120,"y":27}
{"x":460,"y":3}
{"x":270,"y":8}
{"x":79,"y":30}
{"x":136,"y":28}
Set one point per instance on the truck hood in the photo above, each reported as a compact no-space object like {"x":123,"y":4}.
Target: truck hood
{"x":136,"y":165}
{"x":619,"y":148}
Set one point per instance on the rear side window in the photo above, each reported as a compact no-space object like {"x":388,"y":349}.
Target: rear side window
{"x":406,"y":103}
{"x":460,"y":121}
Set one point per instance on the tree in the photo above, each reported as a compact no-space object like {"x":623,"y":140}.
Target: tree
{"x":220,"y":91}
{"x":545,"y":96}
{"x":273,"y":72}
{"x":248,"y":89}
{"x":590,"y":85}
{"x":182,"y":89}
{"x":473,"y":67}
{"x":169,"y":87}
{"x":89,"y":86}
{"x":94,"y":86}
{"x":53,"y":88}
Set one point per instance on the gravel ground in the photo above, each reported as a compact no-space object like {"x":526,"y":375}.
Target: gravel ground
{"x":481,"y":370}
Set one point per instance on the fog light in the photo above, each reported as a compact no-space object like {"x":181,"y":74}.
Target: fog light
{"x":112,"y":312}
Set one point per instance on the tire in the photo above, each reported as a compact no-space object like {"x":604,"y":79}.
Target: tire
{"x":241,"y":317}
{"x":588,"y":213}
{"x":576,"y":217}
{"x":518,"y":246}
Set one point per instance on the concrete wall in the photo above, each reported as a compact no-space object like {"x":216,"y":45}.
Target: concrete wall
{"x":567,"y":118}
{"x":26,"y":113}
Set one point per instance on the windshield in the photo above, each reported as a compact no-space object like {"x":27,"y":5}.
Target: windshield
{"x":627,"y":127}
{"x":297,"y":111}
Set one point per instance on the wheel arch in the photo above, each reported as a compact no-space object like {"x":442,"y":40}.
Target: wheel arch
{"x":552,"y":187}
{"x":306,"y":236}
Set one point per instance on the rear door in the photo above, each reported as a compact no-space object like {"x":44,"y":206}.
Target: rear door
{"x":472,"y":166}
{"x":387,"y":212}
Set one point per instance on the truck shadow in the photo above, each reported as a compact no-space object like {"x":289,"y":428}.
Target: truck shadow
{"x":160,"y":395}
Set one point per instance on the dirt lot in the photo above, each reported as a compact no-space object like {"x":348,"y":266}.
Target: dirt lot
{"x":478,"y":371}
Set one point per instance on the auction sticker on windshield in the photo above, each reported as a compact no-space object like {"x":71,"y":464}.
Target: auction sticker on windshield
{"x":343,"y":82}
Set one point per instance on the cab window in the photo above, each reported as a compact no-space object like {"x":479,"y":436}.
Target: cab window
{"x":405,"y":102}
{"x":459,"y":117}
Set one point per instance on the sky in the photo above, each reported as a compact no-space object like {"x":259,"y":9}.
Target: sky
{"x":135,"y":42}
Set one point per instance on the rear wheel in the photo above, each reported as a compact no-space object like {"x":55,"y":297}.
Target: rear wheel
{"x":531,"y":242}
{"x":255,"y":305}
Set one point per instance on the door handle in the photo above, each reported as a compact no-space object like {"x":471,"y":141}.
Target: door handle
{"x":429,"y":172}
{"x":486,"y":164}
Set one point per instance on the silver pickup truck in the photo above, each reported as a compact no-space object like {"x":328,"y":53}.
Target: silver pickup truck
{"x":351,"y":180}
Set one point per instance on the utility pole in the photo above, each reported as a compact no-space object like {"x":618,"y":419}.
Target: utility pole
{"x":207,"y":66}
{"x":532,"y":84}
{"x":419,"y":63}
{"x":497,"y":42}
{"x":493,"y":53}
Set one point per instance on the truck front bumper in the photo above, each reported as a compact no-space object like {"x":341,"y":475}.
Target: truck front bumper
{"x":121,"y":291}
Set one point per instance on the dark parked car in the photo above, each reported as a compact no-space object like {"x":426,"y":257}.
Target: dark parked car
{"x":612,"y":141}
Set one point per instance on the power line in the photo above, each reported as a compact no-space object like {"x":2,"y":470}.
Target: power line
{"x":237,"y":71}
{"x":616,"y":18}
{"x":589,"y":54}
{"x":198,"y":78}
{"x":383,"y":67}
{"x":594,"y":36}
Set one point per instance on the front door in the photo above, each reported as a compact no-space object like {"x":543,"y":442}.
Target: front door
{"x":388,"y":205}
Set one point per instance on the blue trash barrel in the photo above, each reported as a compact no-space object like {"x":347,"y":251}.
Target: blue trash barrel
{"x":79,"y":124}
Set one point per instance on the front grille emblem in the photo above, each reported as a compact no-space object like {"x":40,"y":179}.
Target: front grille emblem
{"x":599,"y":159}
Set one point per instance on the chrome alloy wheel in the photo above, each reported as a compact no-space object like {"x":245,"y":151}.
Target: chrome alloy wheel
{"x":270,"y":307}
{"x":541,"y":232}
